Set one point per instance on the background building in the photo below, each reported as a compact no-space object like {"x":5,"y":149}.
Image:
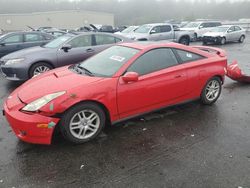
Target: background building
{"x":58,"y":19}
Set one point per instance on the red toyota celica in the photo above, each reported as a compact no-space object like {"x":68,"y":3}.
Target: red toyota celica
{"x":119,"y":83}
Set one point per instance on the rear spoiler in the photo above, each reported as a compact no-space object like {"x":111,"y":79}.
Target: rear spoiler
{"x":214,"y":50}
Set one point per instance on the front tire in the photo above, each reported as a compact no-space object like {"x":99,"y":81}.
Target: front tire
{"x":223,"y":41}
{"x":211,"y":92}
{"x":39,"y":68}
{"x":241,"y":39}
{"x":82,"y":123}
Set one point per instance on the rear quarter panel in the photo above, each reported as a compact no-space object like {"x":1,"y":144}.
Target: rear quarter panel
{"x":199,"y":72}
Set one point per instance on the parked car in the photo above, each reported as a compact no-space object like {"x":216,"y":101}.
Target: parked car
{"x":56,"y":33}
{"x":121,"y":82}
{"x":223,"y":34}
{"x":67,"y":49}
{"x":102,"y":28}
{"x":160,"y":31}
{"x":15,"y":41}
{"x":199,"y":28}
{"x":128,"y":30}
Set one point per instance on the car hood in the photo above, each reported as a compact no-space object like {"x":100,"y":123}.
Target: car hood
{"x":213,"y":34}
{"x":26,"y":52}
{"x":57,"y":80}
{"x":135,"y":36}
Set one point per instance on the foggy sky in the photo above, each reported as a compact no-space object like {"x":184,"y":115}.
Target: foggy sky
{"x":135,"y":12}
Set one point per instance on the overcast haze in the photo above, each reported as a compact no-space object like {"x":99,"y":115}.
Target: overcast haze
{"x":128,"y":12}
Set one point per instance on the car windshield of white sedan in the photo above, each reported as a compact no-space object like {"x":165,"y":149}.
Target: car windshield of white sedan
{"x":57,"y":42}
{"x":219,"y":29}
{"x":128,"y":30}
{"x":143,"y":29}
{"x":192,"y":25}
{"x":108,"y":62}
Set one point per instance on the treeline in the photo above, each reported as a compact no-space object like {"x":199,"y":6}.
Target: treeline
{"x":137,"y":11}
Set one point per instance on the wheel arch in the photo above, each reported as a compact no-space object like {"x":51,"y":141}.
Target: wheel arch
{"x":40,"y":61}
{"x":184,"y":36}
{"x":100,"y":104}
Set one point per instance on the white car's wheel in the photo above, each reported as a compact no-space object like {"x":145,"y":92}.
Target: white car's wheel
{"x":241,"y":39}
{"x":223,"y":41}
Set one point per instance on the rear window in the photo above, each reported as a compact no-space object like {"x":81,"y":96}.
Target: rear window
{"x":186,"y":56}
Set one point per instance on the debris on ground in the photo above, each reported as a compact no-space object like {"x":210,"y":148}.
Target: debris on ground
{"x":81,"y":167}
{"x":1,"y":181}
{"x":192,"y":135}
{"x":144,"y":129}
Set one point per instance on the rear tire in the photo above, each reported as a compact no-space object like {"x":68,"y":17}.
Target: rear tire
{"x":82,"y":122}
{"x":211,"y":92}
{"x":184,"y":41}
{"x":241,"y":39}
{"x":39,"y":68}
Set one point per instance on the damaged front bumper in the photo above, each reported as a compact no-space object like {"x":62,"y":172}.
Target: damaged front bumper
{"x":31,"y":128}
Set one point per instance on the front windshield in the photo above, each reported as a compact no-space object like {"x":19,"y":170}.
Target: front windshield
{"x":128,"y":30}
{"x":219,"y":29}
{"x":57,"y":42}
{"x":143,"y":29}
{"x":109,"y":61}
{"x":192,"y":25}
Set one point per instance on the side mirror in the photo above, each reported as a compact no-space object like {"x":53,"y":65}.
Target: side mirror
{"x":130,"y":77}
{"x":66,"y":47}
{"x":229,"y":31}
{"x":152,"y":31}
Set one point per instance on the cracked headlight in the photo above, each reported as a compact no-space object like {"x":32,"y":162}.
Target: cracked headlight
{"x":14,"y":61}
{"x":39,"y":103}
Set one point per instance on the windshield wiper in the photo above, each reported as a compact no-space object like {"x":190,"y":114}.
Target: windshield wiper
{"x":86,"y":71}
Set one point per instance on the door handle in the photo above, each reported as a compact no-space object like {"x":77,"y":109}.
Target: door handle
{"x":90,"y":50}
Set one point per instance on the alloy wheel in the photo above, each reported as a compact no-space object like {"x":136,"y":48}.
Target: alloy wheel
{"x":84,"y":124}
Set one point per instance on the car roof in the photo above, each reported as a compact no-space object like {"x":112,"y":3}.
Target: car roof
{"x":156,"y":24}
{"x":146,"y":44}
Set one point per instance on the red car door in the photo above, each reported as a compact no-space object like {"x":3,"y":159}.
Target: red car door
{"x":162,"y":81}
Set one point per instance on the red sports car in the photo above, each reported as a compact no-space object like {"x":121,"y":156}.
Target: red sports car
{"x":119,"y":83}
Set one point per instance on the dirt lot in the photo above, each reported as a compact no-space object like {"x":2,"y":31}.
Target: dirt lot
{"x":185,"y":146}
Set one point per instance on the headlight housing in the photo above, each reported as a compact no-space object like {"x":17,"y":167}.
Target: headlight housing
{"x":39,"y":103}
{"x":14,"y":61}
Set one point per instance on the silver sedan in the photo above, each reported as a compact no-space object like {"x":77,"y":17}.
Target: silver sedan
{"x":224,"y":34}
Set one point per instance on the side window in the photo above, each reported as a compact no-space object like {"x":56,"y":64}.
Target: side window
{"x":202,"y":25}
{"x":13,"y":39}
{"x":118,"y":40}
{"x":47,"y":37}
{"x":206,"y":25}
{"x":32,"y":37}
{"x":153,"y":60}
{"x":186,"y":56}
{"x":157,"y":29}
{"x":81,"y":41}
{"x":231,"y":29}
{"x":237,"y":28}
{"x":217,"y":24}
{"x":104,"y":39}
{"x":165,"y":28}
